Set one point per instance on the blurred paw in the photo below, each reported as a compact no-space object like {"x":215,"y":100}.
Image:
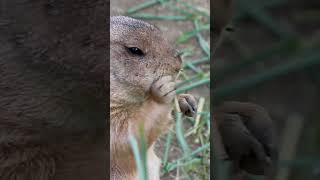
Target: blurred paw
{"x":248,"y":136}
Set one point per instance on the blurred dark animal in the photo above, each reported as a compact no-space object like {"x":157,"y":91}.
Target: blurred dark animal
{"x":222,"y":11}
{"x":53,"y":75}
{"x":248,"y":136}
{"x":242,"y":132}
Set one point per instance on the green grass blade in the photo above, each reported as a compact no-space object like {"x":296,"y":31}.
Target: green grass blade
{"x":144,"y":5}
{"x":307,"y":61}
{"x":203,"y":43}
{"x":167,"y":148}
{"x":159,"y":17}
{"x":180,"y":135}
{"x":138,"y":159}
{"x":205,"y":81}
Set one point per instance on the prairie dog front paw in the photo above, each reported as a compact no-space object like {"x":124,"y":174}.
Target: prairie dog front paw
{"x":188,"y":104}
{"x":163,"y":90}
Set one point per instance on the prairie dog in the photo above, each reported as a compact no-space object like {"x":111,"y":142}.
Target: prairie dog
{"x":143,"y":68}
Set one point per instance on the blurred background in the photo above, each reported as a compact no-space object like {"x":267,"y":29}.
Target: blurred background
{"x":271,"y":56}
{"x":185,"y":148}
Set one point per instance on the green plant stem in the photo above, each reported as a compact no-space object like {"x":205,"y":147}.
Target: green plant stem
{"x":291,"y":66}
{"x":194,"y":85}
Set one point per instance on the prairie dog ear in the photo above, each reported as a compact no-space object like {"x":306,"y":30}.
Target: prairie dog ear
{"x":222,"y":13}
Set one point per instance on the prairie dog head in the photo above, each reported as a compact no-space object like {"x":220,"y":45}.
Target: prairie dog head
{"x":139,"y":54}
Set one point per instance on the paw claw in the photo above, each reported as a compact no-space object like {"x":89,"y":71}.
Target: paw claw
{"x":188,"y":104}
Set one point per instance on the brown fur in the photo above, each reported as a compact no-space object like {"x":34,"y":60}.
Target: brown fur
{"x":131,"y":78}
{"x":142,"y":89}
{"x":52,"y":89}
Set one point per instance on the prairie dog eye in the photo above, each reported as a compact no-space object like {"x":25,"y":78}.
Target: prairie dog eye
{"x":135,"y":51}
